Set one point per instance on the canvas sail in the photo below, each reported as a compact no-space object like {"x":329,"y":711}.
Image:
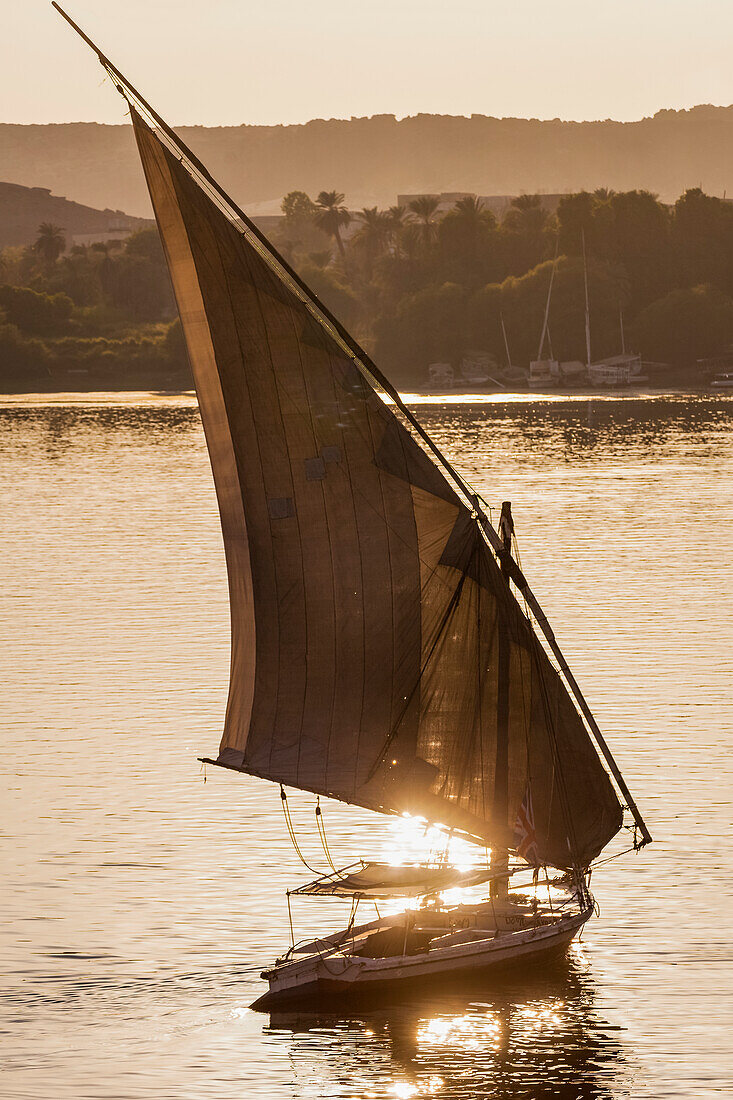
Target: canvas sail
{"x":368,"y":613}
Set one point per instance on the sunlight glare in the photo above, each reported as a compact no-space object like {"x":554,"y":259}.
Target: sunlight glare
{"x":542,"y":1019}
{"x":469,"y":1031}
{"x":412,"y":840}
{"x":406,"y":1090}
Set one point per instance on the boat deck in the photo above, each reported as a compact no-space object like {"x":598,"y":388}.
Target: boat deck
{"x":423,"y":944}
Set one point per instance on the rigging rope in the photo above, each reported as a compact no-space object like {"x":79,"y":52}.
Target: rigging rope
{"x":291,"y":831}
{"x":322,"y":834}
{"x":608,"y":859}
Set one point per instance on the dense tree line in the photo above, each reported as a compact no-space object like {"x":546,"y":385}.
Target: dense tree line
{"x":414,"y":286}
{"x":107,"y":310}
{"x":417,"y":287}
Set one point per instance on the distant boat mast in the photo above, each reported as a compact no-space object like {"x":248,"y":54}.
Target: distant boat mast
{"x":587,"y":304}
{"x":547,"y":306}
{"x":506,"y":342}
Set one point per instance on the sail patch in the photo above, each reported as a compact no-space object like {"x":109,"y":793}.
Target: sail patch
{"x":281,"y":507}
{"x":315,"y":469}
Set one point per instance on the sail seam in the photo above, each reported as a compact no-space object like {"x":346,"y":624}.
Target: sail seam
{"x":309,"y":420}
{"x":291,"y":462}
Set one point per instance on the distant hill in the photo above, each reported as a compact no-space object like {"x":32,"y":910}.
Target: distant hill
{"x":372,"y":159}
{"x":22,"y":209}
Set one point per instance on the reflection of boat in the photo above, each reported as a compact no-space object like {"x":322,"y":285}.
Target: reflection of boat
{"x":540,"y":1036}
{"x":380,"y":653}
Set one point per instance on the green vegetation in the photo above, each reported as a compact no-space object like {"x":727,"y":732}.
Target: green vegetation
{"x":50,"y":242}
{"x":415,"y":287}
{"x":419,"y":288}
{"x":35,"y":313}
{"x":97,"y":317}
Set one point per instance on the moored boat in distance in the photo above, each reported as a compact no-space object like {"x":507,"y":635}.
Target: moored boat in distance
{"x":722,"y":382}
{"x":387,"y":649}
{"x":543,"y":374}
{"x":616,"y":370}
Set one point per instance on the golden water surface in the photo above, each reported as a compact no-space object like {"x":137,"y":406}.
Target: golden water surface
{"x":140,"y":903}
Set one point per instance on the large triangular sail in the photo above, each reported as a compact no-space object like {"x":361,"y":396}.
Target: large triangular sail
{"x":366,"y":605}
{"x":378,"y":654}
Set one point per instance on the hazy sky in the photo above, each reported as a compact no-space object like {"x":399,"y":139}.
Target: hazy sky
{"x":230,"y":61}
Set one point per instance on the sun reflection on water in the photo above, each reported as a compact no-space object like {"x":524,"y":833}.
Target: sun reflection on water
{"x":406,"y":1090}
{"x":467,"y":1031}
{"x":541,"y":1018}
{"x":536,"y":1036}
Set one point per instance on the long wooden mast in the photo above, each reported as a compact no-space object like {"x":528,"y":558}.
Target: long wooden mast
{"x":500,"y":853}
{"x":547,"y":309}
{"x":370,"y":369}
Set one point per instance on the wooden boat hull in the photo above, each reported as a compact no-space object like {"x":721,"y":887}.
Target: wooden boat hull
{"x":316,"y":980}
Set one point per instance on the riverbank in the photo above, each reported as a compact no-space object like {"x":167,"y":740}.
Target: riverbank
{"x":89,"y":380}
{"x":160,"y":373}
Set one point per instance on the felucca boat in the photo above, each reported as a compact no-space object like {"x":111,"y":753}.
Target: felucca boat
{"x":387,"y":650}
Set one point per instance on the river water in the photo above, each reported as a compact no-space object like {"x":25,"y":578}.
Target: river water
{"x":140,"y":902}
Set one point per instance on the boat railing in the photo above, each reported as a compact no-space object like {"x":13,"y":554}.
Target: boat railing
{"x":535,"y":914}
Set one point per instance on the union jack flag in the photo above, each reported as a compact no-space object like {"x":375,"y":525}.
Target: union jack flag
{"x":525,"y":837}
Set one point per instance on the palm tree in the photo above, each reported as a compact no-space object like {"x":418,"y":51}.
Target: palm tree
{"x":410,"y":241}
{"x":526,"y":213}
{"x":472,"y":215}
{"x":527,"y":224}
{"x":375,"y":231}
{"x":469,"y":207}
{"x":331,"y":215}
{"x":424,"y":208}
{"x":373,"y":236}
{"x":398,"y":217}
{"x":465,"y":241}
{"x":50,"y":242}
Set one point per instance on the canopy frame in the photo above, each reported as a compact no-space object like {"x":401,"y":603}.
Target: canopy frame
{"x":446,"y":877}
